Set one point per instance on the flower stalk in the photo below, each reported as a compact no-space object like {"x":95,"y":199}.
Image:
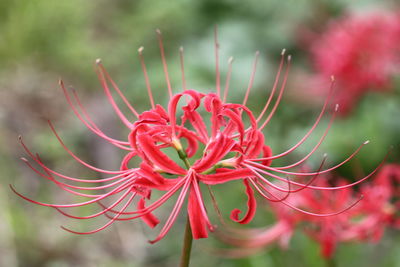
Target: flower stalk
{"x":188,"y":236}
{"x":187,"y":245}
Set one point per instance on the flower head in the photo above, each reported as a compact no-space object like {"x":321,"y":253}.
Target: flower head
{"x":215,"y":142}
{"x":361,"y":51}
{"x":365,"y":222}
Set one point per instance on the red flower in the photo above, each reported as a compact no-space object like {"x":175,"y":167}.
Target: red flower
{"x":330,"y":231}
{"x":361,"y":51}
{"x":366,"y":221}
{"x":231,"y":148}
{"x":381,"y":204}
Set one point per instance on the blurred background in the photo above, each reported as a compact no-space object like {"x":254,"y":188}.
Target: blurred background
{"x":44,"y":40}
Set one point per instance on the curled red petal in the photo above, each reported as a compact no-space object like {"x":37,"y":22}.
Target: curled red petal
{"x":192,"y":140}
{"x":236,"y":120}
{"x":267,"y":153}
{"x":196,"y":96}
{"x":213,"y":104}
{"x":148,"y":218}
{"x":251,"y":206}
{"x":159,"y":158}
{"x":198,"y":124}
{"x":256,"y":144}
{"x":146,"y":171}
{"x":125,"y":161}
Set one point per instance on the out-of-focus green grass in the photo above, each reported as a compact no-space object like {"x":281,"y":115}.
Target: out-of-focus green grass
{"x":43,"y":40}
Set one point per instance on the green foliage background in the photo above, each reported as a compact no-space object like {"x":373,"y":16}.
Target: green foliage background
{"x":43,"y":40}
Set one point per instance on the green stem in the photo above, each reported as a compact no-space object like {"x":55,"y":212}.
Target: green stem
{"x":186,"y":161}
{"x":187,"y":245}
{"x":330,"y":262}
{"x":188,"y":237}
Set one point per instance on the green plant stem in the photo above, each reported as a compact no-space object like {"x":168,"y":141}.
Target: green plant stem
{"x":187,"y":245}
{"x":330,"y":262}
{"x":188,"y":237}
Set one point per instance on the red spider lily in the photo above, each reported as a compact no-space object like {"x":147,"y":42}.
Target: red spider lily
{"x":231,"y":148}
{"x":361,"y":51}
{"x":367,"y":221}
{"x":381,"y":203}
{"x":329,"y":231}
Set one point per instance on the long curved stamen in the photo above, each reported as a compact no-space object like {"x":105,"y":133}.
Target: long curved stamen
{"x":107,"y":224}
{"x":66,"y":187}
{"x":228,"y":79}
{"x":36,"y":160}
{"x":155,"y":204}
{"x":328,"y":188}
{"x":95,"y":129}
{"x":215,"y":205}
{"x":146,"y":77}
{"x":47,"y":169}
{"x":116,"y":88}
{"x":116,"y":212}
{"x":77,"y":158}
{"x":217,"y":73}
{"x":112,"y":192}
{"x":259,"y":176}
{"x":251,"y":81}
{"x":62,"y":184}
{"x":164,"y":62}
{"x":326,"y":214}
{"x":311,"y":213}
{"x":110,"y":98}
{"x":119,"y":200}
{"x":303,"y":186}
{"x":92,"y":126}
{"x":317,"y":121}
{"x":288,"y":192}
{"x":275,"y":199}
{"x":271,"y":95}
{"x":310,"y":173}
{"x":278,"y":100}
{"x":315,"y":147}
{"x":175,"y":211}
{"x":182,"y":68}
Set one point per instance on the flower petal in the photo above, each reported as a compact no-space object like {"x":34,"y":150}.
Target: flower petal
{"x":156,"y":156}
{"x":224,"y":175}
{"x":197,"y":222}
{"x":148,"y":218}
{"x":251,"y":206}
